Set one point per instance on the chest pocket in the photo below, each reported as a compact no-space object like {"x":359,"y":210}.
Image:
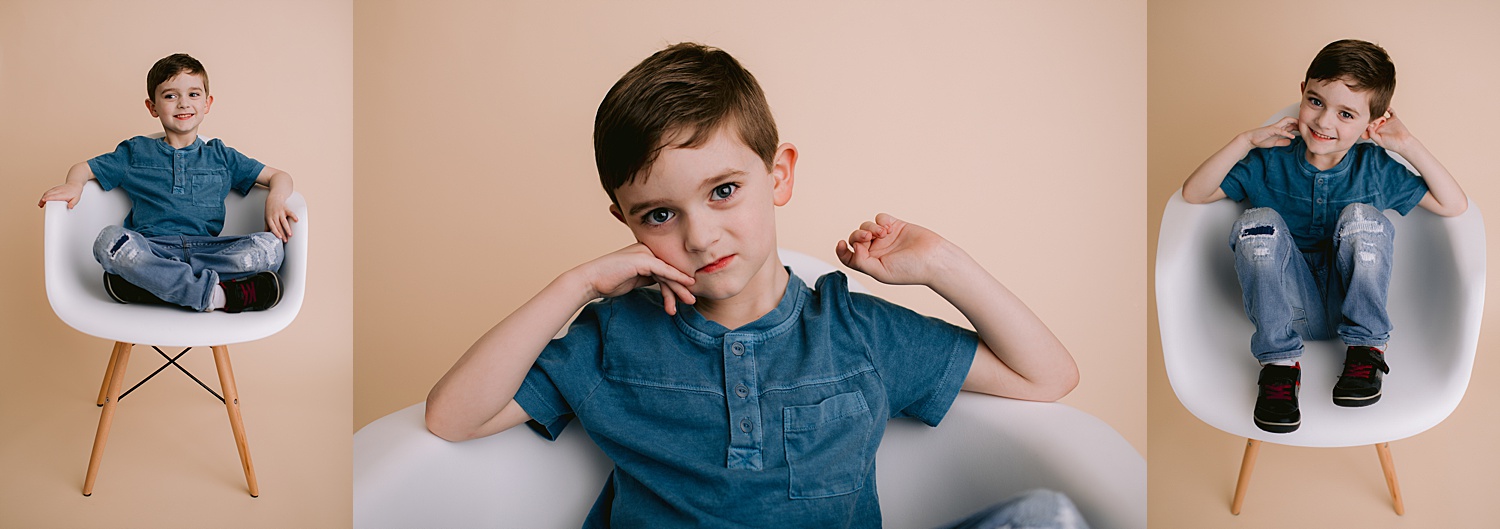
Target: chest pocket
{"x":208,"y":187}
{"x":827,"y":445}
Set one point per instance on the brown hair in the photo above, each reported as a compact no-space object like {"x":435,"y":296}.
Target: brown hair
{"x":1361,"y":65}
{"x":168,"y":67}
{"x":686,"y":87}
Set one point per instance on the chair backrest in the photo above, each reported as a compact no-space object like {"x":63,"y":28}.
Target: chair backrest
{"x":75,"y":287}
{"x":1436,"y":302}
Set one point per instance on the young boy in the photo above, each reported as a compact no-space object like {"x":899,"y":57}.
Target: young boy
{"x":736,"y":395}
{"x":168,"y":249}
{"x":1313,"y":253}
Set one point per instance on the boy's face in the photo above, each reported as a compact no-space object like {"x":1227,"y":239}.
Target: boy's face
{"x":1332,"y":118}
{"x":181,"y":103}
{"x":709,"y":211}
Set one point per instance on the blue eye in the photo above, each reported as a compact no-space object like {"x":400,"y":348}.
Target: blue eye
{"x":724,"y":191}
{"x":657,"y":216}
{"x":1315,"y":102}
{"x":1346,"y":115}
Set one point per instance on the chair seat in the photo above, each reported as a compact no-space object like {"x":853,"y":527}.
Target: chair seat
{"x":75,"y":285}
{"x":1436,"y":300}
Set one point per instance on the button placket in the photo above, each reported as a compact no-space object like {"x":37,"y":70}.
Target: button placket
{"x":742,"y":402}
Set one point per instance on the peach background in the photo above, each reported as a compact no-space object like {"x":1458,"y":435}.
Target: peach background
{"x":1011,"y":128}
{"x":1218,"y":69}
{"x":72,"y":77}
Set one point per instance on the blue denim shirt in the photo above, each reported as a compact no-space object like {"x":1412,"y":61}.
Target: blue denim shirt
{"x":1310,"y":200}
{"x":773,"y":424}
{"x":175,"y":191}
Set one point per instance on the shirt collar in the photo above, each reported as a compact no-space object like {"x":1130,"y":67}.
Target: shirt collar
{"x":167,"y":147}
{"x":688,"y":318}
{"x":1299,"y":148}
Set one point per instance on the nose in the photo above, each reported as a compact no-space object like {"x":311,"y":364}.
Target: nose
{"x":701,"y":234}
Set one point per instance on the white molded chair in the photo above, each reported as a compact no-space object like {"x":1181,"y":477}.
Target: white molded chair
{"x":75,"y":290}
{"x":986,"y":449}
{"x":1436,"y":301}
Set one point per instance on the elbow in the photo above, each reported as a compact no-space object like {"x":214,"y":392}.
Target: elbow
{"x":1456,"y":209}
{"x":444,"y":429}
{"x":1193,"y":198}
{"x":1061,"y":387}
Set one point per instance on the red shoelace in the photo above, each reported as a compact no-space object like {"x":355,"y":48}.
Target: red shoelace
{"x":1278,"y":391}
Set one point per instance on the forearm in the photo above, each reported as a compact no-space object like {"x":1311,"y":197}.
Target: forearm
{"x":1443,"y":188}
{"x":1202,"y":186}
{"x":278,"y":182}
{"x":487,"y":376}
{"x":79,"y":173}
{"x":1043,"y":369}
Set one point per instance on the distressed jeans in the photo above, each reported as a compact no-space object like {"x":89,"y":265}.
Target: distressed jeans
{"x":1291,"y":295}
{"x":1033,"y":509}
{"x":183,"y":269}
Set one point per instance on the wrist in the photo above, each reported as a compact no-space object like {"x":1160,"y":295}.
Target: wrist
{"x":951,"y":269}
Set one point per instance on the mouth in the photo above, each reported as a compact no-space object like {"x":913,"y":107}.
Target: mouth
{"x":1319,"y":136}
{"x":715,"y":266}
{"x":183,"y":117}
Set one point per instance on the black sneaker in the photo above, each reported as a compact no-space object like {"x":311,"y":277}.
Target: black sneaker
{"x":1276,"y":406}
{"x":258,"y":292}
{"x":123,"y":291}
{"x":1360,"y":383}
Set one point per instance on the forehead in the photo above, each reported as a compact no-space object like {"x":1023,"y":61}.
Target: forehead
{"x":182,"y":81}
{"x":1336,"y":92}
{"x":684,"y":171}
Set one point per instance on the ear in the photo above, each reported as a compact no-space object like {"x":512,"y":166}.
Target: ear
{"x":614,"y":209}
{"x":151,"y":107}
{"x":783,"y":173}
{"x":208,"y":103}
{"x":1301,"y":89}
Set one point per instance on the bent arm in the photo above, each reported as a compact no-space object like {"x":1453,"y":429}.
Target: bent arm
{"x":71,"y":188}
{"x":1202,"y":186}
{"x":1444,"y":196}
{"x":474,"y":398}
{"x":1018,"y":356}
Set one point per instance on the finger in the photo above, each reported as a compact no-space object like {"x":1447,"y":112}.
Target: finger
{"x":873,"y":228}
{"x":293,"y":216}
{"x":841,"y":249}
{"x":286,"y":229}
{"x":886,"y":219}
{"x":668,"y":300}
{"x":72,"y":202}
{"x":663,"y":271}
{"x":681,"y":292}
{"x":859,"y":236}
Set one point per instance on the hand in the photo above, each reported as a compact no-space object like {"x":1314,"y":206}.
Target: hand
{"x":633,"y":267}
{"x":62,"y":192}
{"x":1389,"y":132}
{"x":279,"y":219}
{"x":895,"y":252}
{"x":1278,"y":134}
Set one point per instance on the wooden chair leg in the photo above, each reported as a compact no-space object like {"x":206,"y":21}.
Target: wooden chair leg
{"x":232,"y":402}
{"x":116,"y":374}
{"x":104,"y":386}
{"x":1252,"y":449}
{"x":1389,"y":467}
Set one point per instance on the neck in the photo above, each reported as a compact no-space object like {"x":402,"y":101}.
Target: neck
{"x":179,"y":140}
{"x":760,"y":296}
{"x":1325,"y":162}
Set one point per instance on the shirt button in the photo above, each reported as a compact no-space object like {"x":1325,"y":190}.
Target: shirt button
{"x":741,"y":390}
{"x":738,"y":348}
{"x":745,"y":425}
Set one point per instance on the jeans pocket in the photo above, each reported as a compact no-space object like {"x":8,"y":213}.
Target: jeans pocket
{"x":827,"y":445}
{"x":209,"y":187}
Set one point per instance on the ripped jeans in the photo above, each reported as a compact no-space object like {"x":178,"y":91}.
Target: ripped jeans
{"x":1291,"y":295}
{"x":183,"y":269}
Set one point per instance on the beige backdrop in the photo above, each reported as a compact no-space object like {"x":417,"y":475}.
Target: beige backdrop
{"x":1013,"y":129}
{"x":1219,"y":69}
{"x":72,"y":76}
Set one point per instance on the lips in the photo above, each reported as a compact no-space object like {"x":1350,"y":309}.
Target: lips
{"x":715,"y":266}
{"x":1319,"y":136}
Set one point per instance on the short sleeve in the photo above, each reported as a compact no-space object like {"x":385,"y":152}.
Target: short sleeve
{"x":110,"y":169}
{"x":922,"y":361}
{"x":1401,"y":188}
{"x":564,"y":374}
{"x":1245,"y":170}
{"x":243,"y":170}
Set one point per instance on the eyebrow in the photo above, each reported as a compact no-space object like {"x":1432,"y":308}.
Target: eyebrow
{"x":715,"y":181}
{"x":1315,"y":93}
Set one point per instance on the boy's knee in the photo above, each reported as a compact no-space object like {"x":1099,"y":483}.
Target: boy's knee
{"x":1257,"y":231}
{"x":1360,"y":218}
{"x":267,"y":252}
{"x":114,"y":245}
